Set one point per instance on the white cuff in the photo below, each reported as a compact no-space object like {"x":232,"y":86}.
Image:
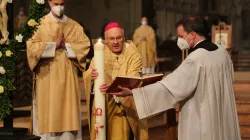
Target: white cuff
{"x":140,"y":103}
{"x":70,"y":53}
{"x":50,"y":50}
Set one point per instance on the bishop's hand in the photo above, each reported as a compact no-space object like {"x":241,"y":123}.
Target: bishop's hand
{"x":104,"y":87}
{"x":124,"y":92}
{"x":94,"y":74}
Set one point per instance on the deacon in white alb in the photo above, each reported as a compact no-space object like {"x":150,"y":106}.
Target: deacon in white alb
{"x":202,"y":85}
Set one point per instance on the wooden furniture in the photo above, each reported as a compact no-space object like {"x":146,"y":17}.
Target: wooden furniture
{"x":222,"y":36}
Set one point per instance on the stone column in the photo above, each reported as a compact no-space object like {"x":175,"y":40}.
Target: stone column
{"x":233,"y":14}
{"x":135,"y":11}
{"x":162,"y":23}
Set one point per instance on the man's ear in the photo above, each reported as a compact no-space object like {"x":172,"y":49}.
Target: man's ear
{"x":194,"y":34}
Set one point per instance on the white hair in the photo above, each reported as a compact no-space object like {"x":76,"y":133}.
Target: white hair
{"x":105,"y":33}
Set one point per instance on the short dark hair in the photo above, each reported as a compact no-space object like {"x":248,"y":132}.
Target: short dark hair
{"x":192,"y":24}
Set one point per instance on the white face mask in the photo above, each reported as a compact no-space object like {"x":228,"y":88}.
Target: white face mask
{"x":144,"y":23}
{"x":58,"y":10}
{"x":21,"y":13}
{"x":183,"y":44}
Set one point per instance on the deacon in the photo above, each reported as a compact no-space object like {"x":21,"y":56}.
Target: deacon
{"x":202,"y":85}
{"x":120,"y":59}
{"x":144,"y":39}
{"x":56,"y":106}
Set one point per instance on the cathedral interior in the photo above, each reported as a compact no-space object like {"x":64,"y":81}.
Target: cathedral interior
{"x":162,"y":15}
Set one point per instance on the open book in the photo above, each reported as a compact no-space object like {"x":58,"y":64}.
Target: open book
{"x":132,"y":82}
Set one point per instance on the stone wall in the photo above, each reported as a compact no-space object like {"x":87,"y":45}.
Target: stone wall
{"x":233,"y":11}
{"x":168,"y":12}
{"x":95,"y":13}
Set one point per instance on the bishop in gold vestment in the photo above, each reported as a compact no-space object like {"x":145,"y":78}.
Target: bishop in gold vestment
{"x":144,"y":39}
{"x":120,"y":59}
{"x":57,"y":95}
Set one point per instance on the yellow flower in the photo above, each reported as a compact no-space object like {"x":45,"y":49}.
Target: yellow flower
{"x":1,"y":54}
{"x":8,"y":53}
{"x":32,"y":23}
{"x":1,"y":89}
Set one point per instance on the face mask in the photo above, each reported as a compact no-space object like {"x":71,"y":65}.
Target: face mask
{"x":58,"y":10}
{"x":21,"y":13}
{"x":144,"y":23}
{"x":183,"y":44}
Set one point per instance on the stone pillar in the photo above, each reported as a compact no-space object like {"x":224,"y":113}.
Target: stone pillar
{"x":138,"y":9}
{"x":135,"y":11}
{"x":162,"y":24}
{"x":243,"y":21}
{"x":233,"y":15}
{"x":238,"y":32}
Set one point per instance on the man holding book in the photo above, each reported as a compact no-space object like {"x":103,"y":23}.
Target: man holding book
{"x":202,"y":85}
{"x":121,"y":59}
{"x":54,"y":52}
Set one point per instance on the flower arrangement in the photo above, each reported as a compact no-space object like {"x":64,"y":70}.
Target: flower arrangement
{"x":9,"y":55}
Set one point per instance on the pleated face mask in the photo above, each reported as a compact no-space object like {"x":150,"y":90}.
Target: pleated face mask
{"x":58,"y":10}
{"x":183,"y":44}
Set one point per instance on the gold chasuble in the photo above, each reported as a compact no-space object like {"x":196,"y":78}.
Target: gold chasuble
{"x":57,"y":92}
{"x":146,"y":47}
{"x":121,"y":111}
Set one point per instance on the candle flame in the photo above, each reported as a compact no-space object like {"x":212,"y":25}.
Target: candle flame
{"x":100,"y":40}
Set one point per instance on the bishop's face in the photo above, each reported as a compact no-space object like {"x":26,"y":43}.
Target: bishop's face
{"x":115,"y":39}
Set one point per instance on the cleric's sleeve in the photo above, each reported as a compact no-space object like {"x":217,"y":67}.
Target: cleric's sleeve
{"x":161,"y":96}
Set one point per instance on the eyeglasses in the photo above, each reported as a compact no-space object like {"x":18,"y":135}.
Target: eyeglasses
{"x":119,"y":38}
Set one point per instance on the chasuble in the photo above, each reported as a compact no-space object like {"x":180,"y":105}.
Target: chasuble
{"x":121,"y":113}
{"x":147,"y":47}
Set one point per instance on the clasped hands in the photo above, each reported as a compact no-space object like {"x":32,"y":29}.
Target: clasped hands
{"x":143,"y":38}
{"x":104,"y":87}
{"x":60,"y":42}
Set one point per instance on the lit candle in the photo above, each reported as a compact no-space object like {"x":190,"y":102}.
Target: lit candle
{"x":100,"y":124}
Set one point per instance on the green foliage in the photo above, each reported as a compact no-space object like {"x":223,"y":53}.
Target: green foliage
{"x":7,"y":80}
